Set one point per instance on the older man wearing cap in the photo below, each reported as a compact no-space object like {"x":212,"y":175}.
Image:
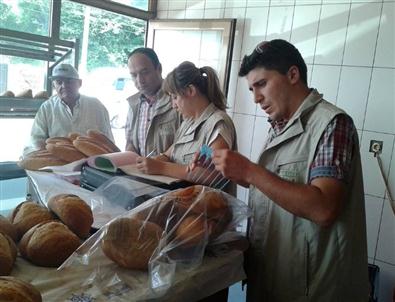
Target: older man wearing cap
{"x":68,"y":110}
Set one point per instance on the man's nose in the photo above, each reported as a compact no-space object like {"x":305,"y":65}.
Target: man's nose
{"x":257,"y":96}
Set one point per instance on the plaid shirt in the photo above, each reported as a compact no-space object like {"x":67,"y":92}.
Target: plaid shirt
{"x":145,"y":117}
{"x":334,"y":151}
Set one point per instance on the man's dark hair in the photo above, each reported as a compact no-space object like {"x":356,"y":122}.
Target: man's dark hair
{"x":277,"y":55}
{"x":149,"y":52}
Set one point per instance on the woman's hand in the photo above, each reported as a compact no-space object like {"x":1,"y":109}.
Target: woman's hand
{"x":149,"y":165}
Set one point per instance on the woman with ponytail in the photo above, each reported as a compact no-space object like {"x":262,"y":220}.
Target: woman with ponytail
{"x":196,"y":94}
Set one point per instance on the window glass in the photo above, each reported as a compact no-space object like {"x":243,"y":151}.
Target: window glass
{"x":106,"y":39}
{"x":31,"y":16}
{"x":140,"y":4}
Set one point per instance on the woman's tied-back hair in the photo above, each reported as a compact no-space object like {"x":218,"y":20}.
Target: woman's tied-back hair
{"x":204,"y":79}
{"x":277,"y":55}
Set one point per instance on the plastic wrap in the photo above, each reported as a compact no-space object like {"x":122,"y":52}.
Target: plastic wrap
{"x":111,"y":199}
{"x":147,"y":248}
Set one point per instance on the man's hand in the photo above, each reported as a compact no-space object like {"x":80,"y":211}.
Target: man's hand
{"x":233,"y":166}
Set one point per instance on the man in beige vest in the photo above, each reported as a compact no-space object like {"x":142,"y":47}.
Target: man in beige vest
{"x":152,"y":122}
{"x":308,"y":229}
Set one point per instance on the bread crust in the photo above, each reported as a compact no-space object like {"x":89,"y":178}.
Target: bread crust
{"x":16,"y":290}
{"x":131,"y":242}
{"x":48,"y":244}
{"x":8,"y":254}
{"x":73,"y":212}
{"x":88,"y":147}
{"x":41,"y":160}
{"x":6,"y":227}
{"x":27,"y":214}
{"x":97,"y":135}
{"x":55,"y":139}
{"x":65,"y":152}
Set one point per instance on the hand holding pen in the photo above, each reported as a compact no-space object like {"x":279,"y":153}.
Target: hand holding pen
{"x":148,"y":165}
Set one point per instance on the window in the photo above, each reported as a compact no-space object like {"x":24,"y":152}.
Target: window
{"x":31,"y":16}
{"x":140,"y":4}
{"x":30,"y":44}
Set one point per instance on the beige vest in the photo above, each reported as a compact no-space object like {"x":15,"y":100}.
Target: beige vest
{"x":292,"y":258}
{"x":193,"y":134}
{"x":163,"y":127}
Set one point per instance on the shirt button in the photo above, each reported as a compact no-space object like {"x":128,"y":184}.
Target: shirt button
{"x":148,"y":119}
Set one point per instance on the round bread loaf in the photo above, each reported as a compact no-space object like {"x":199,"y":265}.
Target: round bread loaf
{"x":8,"y":93}
{"x":41,"y":95}
{"x":16,"y":290}
{"x":27,"y":93}
{"x":6,"y":227}
{"x":100,"y":137}
{"x":163,"y":213}
{"x":131,"y":242}
{"x":67,"y":153}
{"x":212,"y":203}
{"x":27,"y":214}
{"x":192,"y":230}
{"x":48,"y":244}
{"x":73,"y":212}
{"x":8,"y":254}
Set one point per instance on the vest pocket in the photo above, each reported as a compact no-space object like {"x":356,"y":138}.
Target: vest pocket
{"x":166,"y":128}
{"x":293,"y":169}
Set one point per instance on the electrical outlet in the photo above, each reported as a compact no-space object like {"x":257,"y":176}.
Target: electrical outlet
{"x":376,"y":146}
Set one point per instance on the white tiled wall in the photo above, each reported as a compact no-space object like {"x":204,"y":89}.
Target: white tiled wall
{"x":349,"y":47}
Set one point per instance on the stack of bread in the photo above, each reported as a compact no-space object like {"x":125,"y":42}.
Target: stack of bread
{"x":182,"y":220}
{"x":63,"y":150}
{"x":47,"y":236}
{"x":27,"y":93}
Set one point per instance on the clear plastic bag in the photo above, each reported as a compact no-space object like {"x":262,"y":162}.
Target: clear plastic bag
{"x":152,"y":246}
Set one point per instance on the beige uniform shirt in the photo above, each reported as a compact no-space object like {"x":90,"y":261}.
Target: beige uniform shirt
{"x":54,"y":118}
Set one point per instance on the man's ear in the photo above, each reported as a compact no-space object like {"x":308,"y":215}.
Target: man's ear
{"x":159,"y":67}
{"x":293,"y":74}
{"x":80,"y":81}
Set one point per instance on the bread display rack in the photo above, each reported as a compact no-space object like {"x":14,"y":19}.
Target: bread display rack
{"x":37,"y":47}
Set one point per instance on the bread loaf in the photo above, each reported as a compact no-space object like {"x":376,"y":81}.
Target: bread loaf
{"x":67,"y":153}
{"x":8,"y":93}
{"x":36,"y":161}
{"x":27,"y":214}
{"x":48,"y":244}
{"x":73,"y":212}
{"x":193,"y":230}
{"x":55,"y":139}
{"x":6,"y":227}
{"x":27,"y":93}
{"x":163,"y":213}
{"x":8,"y":254}
{"x":41,"y":95}
{"x":100,"y":137}
{"x":89,"y":148}
{"x":131,"y":242}
{"x":16,"y":290}
{"x":73,"y":135}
